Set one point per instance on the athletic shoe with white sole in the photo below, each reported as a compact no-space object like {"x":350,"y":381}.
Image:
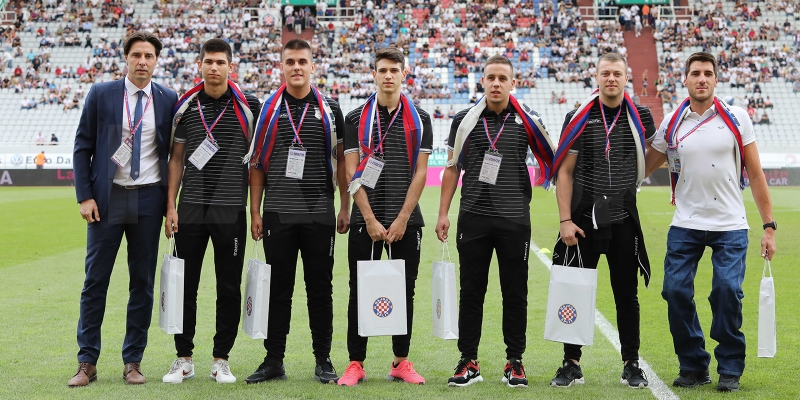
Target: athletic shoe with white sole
{"x":221,"y":372}
{"x":514,"y":374}
{"x":467,"y":373}
{"x":182,"y":368}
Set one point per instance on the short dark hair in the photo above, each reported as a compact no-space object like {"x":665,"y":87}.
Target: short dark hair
{"x":142,"y":36}
{"x":499,"y":59}
{"x":613,"y":58}
{"x":700,"y":56}
{"x":389,"y":53}
{"x":216,"y":46}
{"x":296,"y":44}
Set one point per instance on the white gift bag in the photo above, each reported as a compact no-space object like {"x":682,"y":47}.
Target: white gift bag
{"x":444,"y":299}
{"x":571,"y":303}
{"x":767,"y":329}
{"x":255,"y":311}
{"x":170,"y":297}
{"x":381,"y":297}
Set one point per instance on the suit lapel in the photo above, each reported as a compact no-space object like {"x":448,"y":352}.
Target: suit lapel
{"x":117,"y":102}
{"x":158,"y":103}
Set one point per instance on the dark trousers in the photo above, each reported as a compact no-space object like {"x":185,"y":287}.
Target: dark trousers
{"x":315,"y":242}
{"x":137,"y":214}
{"x":359,"y":248}
{"x":227,"y":228}
{"x":477,"y":238}
{"x":623,"y":268}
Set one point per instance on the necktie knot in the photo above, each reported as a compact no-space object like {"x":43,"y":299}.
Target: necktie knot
{"x":140,"y":94}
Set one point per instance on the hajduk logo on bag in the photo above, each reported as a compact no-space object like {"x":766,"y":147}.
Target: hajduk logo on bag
{"x":567,"y":314}
{"x":249,"y":305}
{"x":438,"y":308}
{"x":382,"y":307}
{"x":163,"y":302}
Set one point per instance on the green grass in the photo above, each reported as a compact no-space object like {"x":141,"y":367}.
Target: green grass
{"x":41,"y":262}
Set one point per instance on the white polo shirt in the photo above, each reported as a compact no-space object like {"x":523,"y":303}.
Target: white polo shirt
{"x":707,"y":194}
{"x":148,"y":162}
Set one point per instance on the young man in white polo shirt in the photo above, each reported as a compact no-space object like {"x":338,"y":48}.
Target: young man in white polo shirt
{"x":708,"y":146}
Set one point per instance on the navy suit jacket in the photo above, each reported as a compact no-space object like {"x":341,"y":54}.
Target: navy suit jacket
{"x":100,"y":134}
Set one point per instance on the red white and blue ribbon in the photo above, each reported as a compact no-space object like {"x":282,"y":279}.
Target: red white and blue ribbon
{"x":240,"y":106}
{"x":266,"y":132}
{"x":412,"y":126}
{"x":730,"y":120}
{"x":538,"y":139}
{"x":578,"y":123}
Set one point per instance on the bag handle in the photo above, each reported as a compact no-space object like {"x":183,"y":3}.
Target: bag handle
{"x":173,"y":245}
{"x":372,"y":253}
{"x":566,"y":255}
{"x":445,"y":248}
{"x":767,"y":267}
{"x":255,"y":248}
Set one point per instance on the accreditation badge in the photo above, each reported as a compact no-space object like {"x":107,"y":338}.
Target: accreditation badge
{"x":673,"y":159}
{"x":203,"y":153}
{"x":296,"y":163}
{"x":124,"y":153}
{"x":490,"y":167}
{"x":372,"y":171}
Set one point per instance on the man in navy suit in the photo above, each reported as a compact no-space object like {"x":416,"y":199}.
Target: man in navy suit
{"x":120,"y":163}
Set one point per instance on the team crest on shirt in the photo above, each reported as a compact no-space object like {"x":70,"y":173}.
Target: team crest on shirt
{"x":317,"y":114}
{"x":518,"y":120}
{"x":177,"y":119}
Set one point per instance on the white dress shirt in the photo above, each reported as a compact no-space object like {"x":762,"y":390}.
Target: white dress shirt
{"x":148,"y":165}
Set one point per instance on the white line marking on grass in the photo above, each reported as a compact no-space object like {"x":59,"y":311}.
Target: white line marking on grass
{"x":660,"y":390}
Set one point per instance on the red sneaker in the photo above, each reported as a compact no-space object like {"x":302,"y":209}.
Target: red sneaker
{"x":405,"y":372}
{"x":353,"y":374}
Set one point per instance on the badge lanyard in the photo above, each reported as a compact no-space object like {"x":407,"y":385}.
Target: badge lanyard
{"x":703,"y":122}
{"x":296,"y":129}
{"x":133,"y":126}
{"x":608,"y":136}
{"x":203,"y":119}
{"x":382,"y":135}
{"x":609,"y":129}
{"x":500,"y":132}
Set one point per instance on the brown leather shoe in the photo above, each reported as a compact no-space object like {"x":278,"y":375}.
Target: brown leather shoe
{"x":133,"y":374}
{"x":86,"y":374}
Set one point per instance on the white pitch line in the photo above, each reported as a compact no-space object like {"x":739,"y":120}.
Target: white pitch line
{"x":659,"y":389}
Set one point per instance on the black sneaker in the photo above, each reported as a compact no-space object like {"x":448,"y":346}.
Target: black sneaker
{"x":267,"y":371}
{"x":690,"y":379}
{"x":567,"y":375}
{"x":514,"y":374}
{"x":467,"y":373}
{"x":633,"y":376}
{"x":324,"y":372}
{"x":728,"y":383}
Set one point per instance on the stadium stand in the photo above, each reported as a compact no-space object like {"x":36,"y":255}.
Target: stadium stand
{"x":756,"y":44}
{"x":551,"y":44}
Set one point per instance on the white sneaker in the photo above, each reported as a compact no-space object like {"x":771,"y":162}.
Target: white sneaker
{"x":221,"y":372}
{"x":180,"y":369}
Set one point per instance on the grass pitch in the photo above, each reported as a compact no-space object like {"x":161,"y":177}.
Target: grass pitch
{"x":41,"y":264}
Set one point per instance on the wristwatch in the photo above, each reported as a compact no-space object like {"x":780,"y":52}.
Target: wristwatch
{"x":773,"y":225}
